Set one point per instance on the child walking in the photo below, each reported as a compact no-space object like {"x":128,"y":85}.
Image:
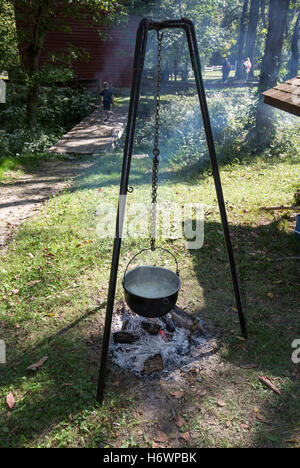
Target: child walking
{"x":106,"y":98}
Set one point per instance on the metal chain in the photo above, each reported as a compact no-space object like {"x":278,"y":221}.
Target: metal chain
{"x":156,"y":151}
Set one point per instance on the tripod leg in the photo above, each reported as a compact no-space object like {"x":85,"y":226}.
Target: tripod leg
{"x":139,"y":58}
{"x":194,"y":54}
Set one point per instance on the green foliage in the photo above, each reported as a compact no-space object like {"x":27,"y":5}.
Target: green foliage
{"x":50,"y":15}
{"x":9,"y":56}
{"x":59,"y":110}
{"x":182,"y":137}
{"x":215,"y":23}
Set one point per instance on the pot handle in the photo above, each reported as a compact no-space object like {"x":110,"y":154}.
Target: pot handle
{"x":145,"y":250}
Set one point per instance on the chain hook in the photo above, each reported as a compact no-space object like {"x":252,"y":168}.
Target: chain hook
{"x":156,"y":150}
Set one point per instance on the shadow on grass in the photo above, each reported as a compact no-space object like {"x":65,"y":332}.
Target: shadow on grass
{"x":270,"y":285}
{"x":57,"y":404}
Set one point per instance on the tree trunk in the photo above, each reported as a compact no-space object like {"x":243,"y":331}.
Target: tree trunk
{"x":294,"y":60}
{"x":251,"y":34}
{"x":39,"y":15}
{"x":33,"y":57}
{"x":263,"y":13}
{"x":270,"y":67}
{"x":241,"y":42}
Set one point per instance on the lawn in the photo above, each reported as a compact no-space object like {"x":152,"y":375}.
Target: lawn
{"x":217,"y":75}
{"x":53,"y":291}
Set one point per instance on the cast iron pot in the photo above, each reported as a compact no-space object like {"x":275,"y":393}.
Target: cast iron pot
{"x":151,"y":291}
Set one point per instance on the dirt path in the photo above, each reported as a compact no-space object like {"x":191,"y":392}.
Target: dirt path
{"x":24,"y":196}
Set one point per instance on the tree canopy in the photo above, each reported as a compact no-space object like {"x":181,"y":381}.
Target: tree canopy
{"x":225,"y":28}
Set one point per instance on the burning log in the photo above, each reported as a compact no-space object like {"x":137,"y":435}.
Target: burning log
{"x":182,"y":319}
{"x":151,"y":328}
{"x":125,"y":325}
{"x":170,"y":327}
{"x":153,"y":364}
{"x":125,"y":337}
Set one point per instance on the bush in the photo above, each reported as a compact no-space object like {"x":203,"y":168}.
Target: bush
{"x":182,"y":137}
{"x":59,"y":110}
{"x":25,"y":141}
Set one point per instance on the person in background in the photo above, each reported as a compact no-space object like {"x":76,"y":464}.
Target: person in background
{"x":226,"y":67}
{"x":247,"y":65}
{"x":107,"y":99}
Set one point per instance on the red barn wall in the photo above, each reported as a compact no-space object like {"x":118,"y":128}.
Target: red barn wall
{"x":111,"y":57}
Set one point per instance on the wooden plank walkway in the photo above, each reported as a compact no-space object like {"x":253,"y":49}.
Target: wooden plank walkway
{"x":285,"y":96}
{"x":92,"y":135}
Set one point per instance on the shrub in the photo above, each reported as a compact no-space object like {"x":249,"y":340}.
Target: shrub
{"x":59,"y":110}
{"x":182,"y":136}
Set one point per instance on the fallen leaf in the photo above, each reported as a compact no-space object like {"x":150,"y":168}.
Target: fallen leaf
{"x":49,"y":254}
{"x":155,"y":445}
{"x":201,"y":393}
{"x":228,"y":423}
{"x":244,"y":426}
{"x":248,"y":366}
{"x":10,"y":400}
{"x":241,"y":338}
{"x":262,"y":419}
{"x":179,"y":421}
{"x":15,"y":291}
{"x":35,"y":366}
{"x":177,"y":394}
{"x":255,"y":409}
{"x":161,"y":437}
{"x":292,"y":441}
{"x":31,"y":255}
{"x":30,"y":283}
{"x":185,"y":436}
{"x":221,"y":403}
{"x":268,"y":382}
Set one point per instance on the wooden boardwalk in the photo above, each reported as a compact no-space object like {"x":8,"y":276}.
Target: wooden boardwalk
{"x":285,"y":96}
{"x":92,"y":135}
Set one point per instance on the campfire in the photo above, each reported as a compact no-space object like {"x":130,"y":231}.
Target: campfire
{"x":159,"y":346}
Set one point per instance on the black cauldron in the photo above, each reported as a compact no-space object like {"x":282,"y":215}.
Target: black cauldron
{"x":151,"y":291}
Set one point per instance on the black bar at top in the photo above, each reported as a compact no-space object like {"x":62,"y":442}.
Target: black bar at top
{"x":166,"y":24}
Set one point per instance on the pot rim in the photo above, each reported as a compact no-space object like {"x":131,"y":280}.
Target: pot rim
{"x":152,"y":298}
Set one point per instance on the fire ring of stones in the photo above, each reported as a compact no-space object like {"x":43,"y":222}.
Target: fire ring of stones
{"x":162,"y":347}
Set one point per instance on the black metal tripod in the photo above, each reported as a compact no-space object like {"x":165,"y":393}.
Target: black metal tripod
{"x":145,"y":26}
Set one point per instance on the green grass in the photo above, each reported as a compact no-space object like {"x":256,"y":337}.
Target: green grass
{"x":7,"y":165}
{"x":215,"y":75}
{"x":53,"y":289}
{"x":59,"y":248}
{"x":14,"y":166}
